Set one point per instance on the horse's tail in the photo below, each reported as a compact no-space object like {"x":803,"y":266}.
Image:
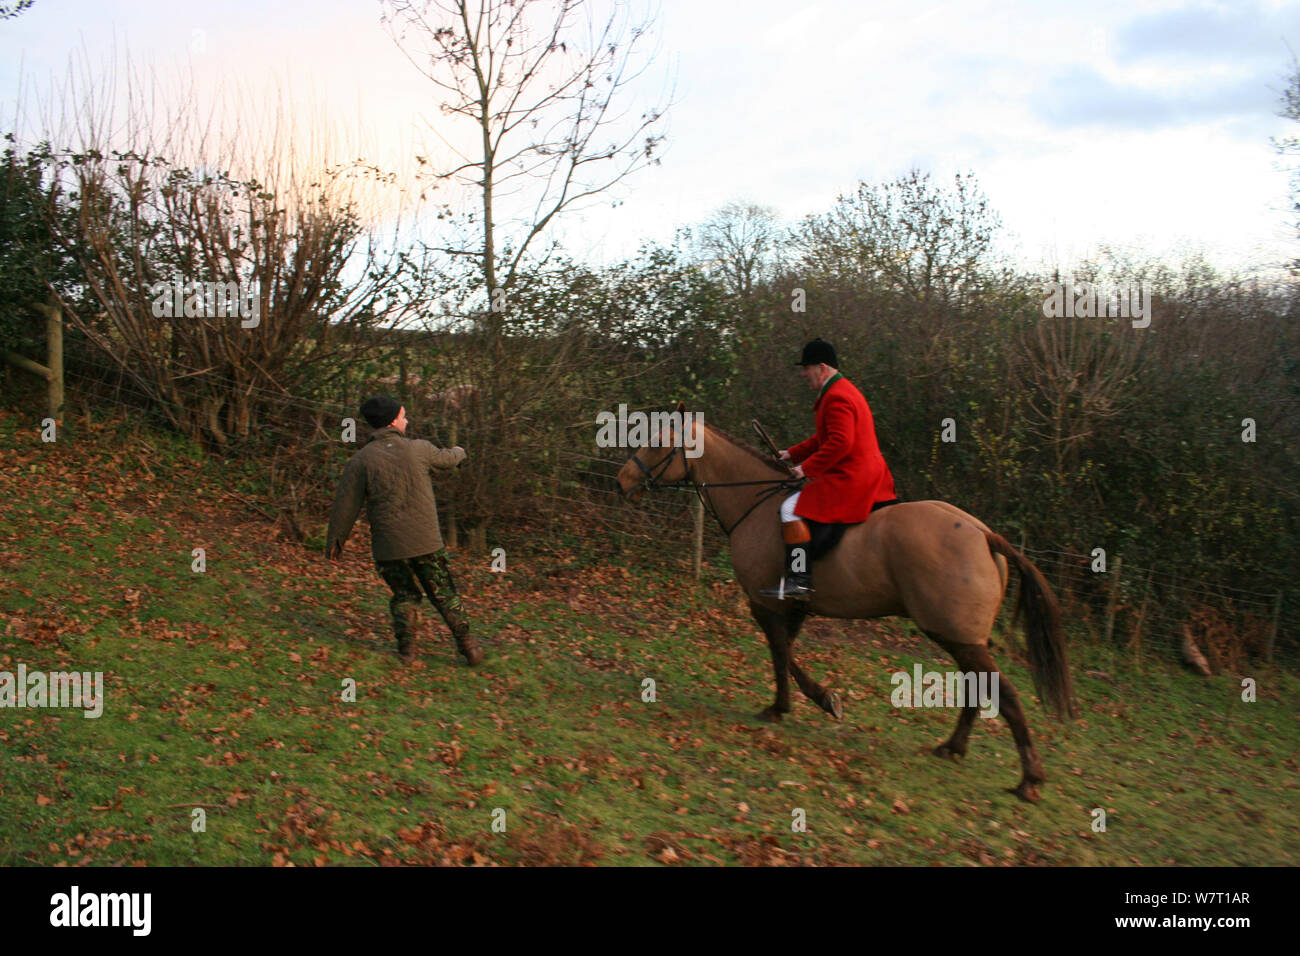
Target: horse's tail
{"x":1043,"y":632}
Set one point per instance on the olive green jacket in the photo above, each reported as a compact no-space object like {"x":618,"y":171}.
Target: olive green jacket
{"x":392,"y":475}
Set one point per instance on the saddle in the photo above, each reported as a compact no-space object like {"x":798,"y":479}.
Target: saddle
{"x":824,"y":537}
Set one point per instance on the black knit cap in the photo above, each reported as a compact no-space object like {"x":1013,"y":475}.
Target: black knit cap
{"x":818,"y":351}
{"x":380,"y":411}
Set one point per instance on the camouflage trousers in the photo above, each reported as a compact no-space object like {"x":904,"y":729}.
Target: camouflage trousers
{"x":405,"y":577}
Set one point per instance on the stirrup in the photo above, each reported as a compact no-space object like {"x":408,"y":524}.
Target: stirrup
{"x":787,"y":590}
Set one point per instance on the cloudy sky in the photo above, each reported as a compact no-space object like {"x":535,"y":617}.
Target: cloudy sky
{"x":1140,"y":125}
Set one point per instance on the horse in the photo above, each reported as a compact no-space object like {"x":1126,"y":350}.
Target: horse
{"x":926,"y":560}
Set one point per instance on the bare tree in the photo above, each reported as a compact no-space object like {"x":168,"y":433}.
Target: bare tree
{"x":1077,"y":374}
{"x":215,"y":292}
{"x":740,"y":240}
{"x":909,"y":236}
{"x":8,"y":12}
{"x":1290,"y":145}
{"x":540,"y":125}
{"x":545,"y":106}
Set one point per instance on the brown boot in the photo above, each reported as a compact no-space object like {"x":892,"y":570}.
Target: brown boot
{"x":406,"y":622}
{"x":468,"y":646}
{"x":459,"y":627}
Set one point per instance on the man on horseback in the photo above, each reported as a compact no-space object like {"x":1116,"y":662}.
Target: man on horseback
{"x":849,"y":476}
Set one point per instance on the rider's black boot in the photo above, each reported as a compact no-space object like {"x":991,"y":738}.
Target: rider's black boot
{"x":797,"y":583}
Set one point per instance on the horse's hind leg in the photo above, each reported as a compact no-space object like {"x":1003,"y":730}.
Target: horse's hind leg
{"x":1032,"y":768}
{"x":955,"y":746}
{"x":778,"y":642}
{"x":976,"y":657}
{"x":827,"y":700}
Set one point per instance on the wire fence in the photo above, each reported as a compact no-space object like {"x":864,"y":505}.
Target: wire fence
{"x":1125,"y":608}
{"x":1137,"y":610}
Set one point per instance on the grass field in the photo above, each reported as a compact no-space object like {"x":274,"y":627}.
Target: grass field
{"x":225,"y":693}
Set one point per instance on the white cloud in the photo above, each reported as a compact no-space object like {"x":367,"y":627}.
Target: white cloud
{"x":1084,"y":125}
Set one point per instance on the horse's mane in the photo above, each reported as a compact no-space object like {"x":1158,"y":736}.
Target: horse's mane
{"x":765,"y":459}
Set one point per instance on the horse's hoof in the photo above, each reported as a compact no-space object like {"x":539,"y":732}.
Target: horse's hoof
{"x":769,"y":715}
{"x":1027,"y":791}
{"x":943,"y":750}
{"x":833,"y":705}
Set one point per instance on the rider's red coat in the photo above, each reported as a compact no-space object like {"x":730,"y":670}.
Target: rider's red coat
{"x":843,"y":459}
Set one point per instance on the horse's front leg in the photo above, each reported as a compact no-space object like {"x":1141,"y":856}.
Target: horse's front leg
{"x":827,"y":700}
{"x":778,"y":642}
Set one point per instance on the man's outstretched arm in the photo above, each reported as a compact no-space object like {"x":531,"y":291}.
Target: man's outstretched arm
{"x":444,"y":457}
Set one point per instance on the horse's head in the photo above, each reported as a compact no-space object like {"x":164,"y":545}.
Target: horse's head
{"x":670,"y":443}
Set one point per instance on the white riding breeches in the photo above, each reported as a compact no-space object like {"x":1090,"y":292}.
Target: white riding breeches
{"x":788,"y":506}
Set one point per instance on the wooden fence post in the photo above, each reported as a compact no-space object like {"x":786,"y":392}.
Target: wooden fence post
{"x":54,"y":357}
{"x":1136,"y":642}
{"x":697,"y":550}
{"x":1114,"y":601}
{"x":553,"y":510}
{"x":453,"y":533}
{"x":1272,"y":632}
{"x":52,"y":372}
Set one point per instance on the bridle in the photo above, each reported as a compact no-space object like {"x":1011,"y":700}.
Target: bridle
{"x":651,"y":479}
{"x":701,"y":489}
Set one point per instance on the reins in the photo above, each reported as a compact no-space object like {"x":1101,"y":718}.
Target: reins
{"x":701,"y":487}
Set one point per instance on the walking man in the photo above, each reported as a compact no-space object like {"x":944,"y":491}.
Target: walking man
{"x":392,"y":475}
{"x":849,"y":476}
